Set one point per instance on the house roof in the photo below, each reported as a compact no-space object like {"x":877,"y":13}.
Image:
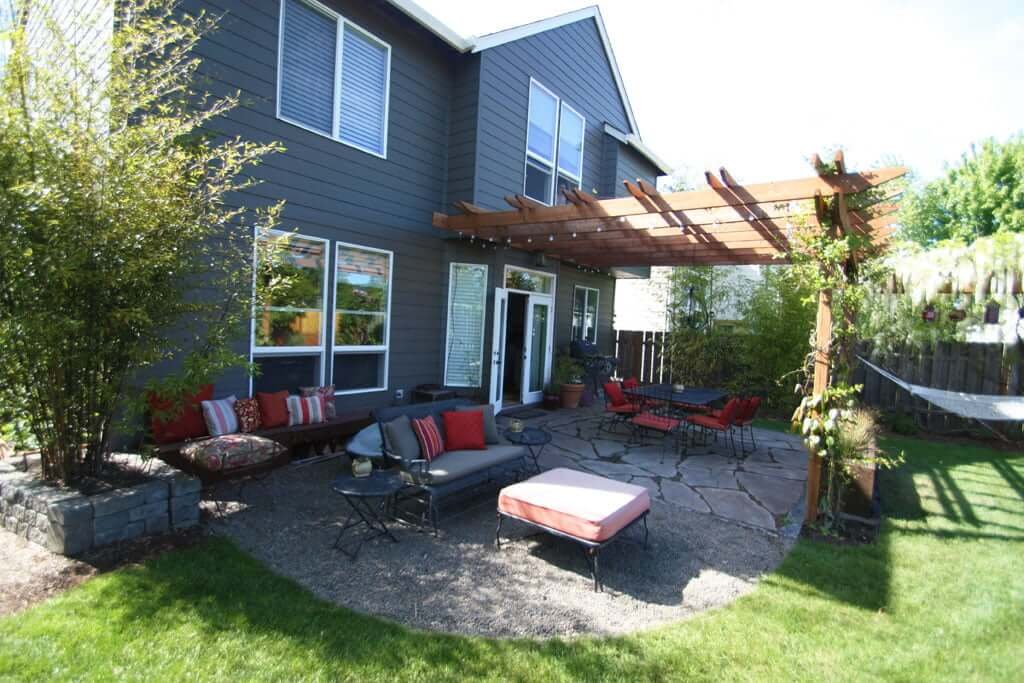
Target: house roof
{"x":476,"y":44}
{"x":634,"y":141}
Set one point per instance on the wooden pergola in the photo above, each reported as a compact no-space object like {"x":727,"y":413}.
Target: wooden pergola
{"x":725,"y":223}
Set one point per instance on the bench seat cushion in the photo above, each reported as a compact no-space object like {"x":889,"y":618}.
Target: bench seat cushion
{"x":231,"y":451}
{"x":579,"y":504}
{"x":453,"y":465}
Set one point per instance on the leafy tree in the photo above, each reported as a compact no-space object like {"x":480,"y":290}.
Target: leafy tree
{"x":120,"y":249}
{"x":982,"y":195}
{"x":778,"y":319}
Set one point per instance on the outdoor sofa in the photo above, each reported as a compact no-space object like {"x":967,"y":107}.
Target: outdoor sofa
{"x":453,"y":472}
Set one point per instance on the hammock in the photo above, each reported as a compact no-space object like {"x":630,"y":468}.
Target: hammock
{"x":980,"y":407}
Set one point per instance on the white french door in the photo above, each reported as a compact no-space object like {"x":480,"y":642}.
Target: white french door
{"x":498,"y":347}
{"x":537,"y":346}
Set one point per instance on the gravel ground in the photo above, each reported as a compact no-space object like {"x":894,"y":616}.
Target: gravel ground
{"x":30,"y":573}
{"x":535,"y":586}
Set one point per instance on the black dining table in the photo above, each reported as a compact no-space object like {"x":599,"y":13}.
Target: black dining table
{"x":688,"y":396}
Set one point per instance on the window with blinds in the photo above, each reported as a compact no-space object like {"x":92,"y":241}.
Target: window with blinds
{"x":467,"y":310}
{"x":333,"y":77}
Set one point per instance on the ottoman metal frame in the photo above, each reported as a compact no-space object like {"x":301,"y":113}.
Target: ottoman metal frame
{"x":591,"y":549}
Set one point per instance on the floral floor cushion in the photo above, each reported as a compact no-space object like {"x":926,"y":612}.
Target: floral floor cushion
{"x":231,"y":451}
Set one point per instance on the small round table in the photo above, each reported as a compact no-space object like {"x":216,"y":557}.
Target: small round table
{"x":533,"y":438}
{"x":359,"y":492}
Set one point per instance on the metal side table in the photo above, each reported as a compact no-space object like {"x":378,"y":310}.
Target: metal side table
{"x":533,"y":438}
{"x":370,"y":500}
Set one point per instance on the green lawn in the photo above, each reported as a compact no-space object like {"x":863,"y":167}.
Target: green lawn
{"x":940,"y":597}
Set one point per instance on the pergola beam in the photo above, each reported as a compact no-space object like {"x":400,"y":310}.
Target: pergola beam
{"x":762,"y":193}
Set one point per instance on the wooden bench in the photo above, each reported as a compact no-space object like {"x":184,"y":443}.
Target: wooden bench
{"x":299,"y":441}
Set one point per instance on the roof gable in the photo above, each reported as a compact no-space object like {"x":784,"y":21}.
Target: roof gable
{"x":480,"y":43}
{"x":526,"y":30}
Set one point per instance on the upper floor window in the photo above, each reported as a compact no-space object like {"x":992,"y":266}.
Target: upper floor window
{"x":333,"y":77}
{"x":554,"y":146}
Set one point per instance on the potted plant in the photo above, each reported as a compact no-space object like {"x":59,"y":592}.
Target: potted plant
{"x":569,"y":374}
{"x":552,"y":397}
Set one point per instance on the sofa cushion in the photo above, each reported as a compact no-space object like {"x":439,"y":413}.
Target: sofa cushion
{"x":220,"y":416}
{"x":429,"y":437}
{"x":179,"y":425}
{"x":247,"y":410}
{"x":273,"y":408}
{"x":231,"y":451}
{"x":454,"y":465}
{"x":305,"y":410}
{"x":327,"y":393}
{"x":463,"y":430}
{"x":490,"y":425}
{"x":400,"y":440}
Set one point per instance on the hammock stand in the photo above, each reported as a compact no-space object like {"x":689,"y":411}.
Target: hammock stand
{"x":982,"y":408}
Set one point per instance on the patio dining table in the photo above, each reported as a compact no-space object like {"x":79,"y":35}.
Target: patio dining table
{"x":700,"y":397}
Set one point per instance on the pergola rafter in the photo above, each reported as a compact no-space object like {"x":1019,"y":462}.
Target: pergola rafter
{"x":726,"y":223}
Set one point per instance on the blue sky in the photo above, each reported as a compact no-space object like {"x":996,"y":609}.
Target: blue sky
{"x":759,"y":86}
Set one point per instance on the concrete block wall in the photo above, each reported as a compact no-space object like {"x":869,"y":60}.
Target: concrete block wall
{"x":67,"y":522}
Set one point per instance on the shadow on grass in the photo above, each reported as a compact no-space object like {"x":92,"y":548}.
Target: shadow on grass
{"x":943,"y":490}
{"x":228,"y":595}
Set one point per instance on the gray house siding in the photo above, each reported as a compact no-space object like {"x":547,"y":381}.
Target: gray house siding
{"x":336,"y":192}
{"x":571,"y":62}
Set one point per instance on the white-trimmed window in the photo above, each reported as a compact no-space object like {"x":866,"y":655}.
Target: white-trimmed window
{"x":554,"y":146}
{"x":362,"y":318}
{"x":333,"y":76}
{"x":467,"y":310}
{"x":585,"y":304}
{"x":289,"y":332}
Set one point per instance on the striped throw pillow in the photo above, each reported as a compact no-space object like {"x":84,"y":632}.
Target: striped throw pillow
{"x":429,"y":436}
{"x":220,"y":416}
{"x":305,"y":410}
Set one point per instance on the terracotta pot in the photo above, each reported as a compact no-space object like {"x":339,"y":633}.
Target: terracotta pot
{"x":571,"y":394}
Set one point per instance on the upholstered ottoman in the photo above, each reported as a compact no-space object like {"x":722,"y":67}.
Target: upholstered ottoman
{"x":581,"y":507}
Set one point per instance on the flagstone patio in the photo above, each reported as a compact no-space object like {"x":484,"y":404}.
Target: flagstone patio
{"x":758,"y":490}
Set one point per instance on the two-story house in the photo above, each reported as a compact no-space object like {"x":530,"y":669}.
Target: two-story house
{"x":387,"y":116}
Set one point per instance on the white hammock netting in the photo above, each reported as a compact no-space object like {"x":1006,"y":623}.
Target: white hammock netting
{"x":982,"y":407}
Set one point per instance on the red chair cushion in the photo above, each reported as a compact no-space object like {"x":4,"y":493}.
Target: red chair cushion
{"x":627,"y":409}
{"x":631,"y":383}
{"x":427,"y":433}
{"x":730,"y":411}
{"x":659,"y":422}
{"x":273,"y":408}
{"x":614,"y":393}
{"x":188,"y":424}
{"x":464,"y":431}
{"x":708,"y":422}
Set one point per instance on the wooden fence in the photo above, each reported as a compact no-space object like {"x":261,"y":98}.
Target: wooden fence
{"x":972,"y":368}
{"x":642,"y":354}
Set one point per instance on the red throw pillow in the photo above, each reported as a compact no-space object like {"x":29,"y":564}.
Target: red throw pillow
{"x":431,"y":443}
{"x":464,"y":431}
{"x":179,"y":426}
{"x":273,"y":408}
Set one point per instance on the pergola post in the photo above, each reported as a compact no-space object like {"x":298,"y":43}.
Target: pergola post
{"x":822,"y":346}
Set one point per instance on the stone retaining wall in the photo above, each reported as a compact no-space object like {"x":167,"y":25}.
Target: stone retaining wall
{"x":66,"y":522}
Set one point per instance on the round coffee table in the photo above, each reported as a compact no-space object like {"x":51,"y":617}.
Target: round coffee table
{"x":369,"y":499}
{"x":533,"y":438}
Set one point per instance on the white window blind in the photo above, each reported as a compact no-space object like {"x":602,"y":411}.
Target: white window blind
{"x":333,"y":77}
{"x":364,"y":85}
{"x":308,"y":44}
{"x":467,"y":308}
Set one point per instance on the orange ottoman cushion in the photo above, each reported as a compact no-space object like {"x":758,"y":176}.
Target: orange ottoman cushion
{"x":582,"y":505}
